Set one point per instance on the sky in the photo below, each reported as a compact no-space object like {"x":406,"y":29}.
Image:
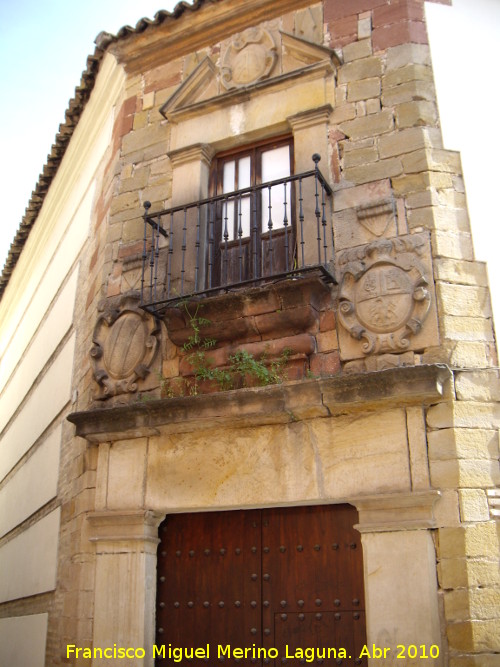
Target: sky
{"x":44,"y":45}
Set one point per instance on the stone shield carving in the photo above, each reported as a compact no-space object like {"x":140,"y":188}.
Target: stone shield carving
{"x":250,"y":57}
{"x":124,"y":345}
{"x":384,"y":295}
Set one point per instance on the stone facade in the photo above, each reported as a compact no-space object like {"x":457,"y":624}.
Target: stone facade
{"x":389,"y":392}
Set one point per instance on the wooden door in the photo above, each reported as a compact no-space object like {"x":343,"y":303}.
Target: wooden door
{"x":284,"y":583}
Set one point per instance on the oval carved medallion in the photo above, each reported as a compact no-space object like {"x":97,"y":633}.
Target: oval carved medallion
{"x":125,"y":342}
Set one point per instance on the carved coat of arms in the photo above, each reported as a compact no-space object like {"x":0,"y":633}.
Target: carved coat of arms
{"x":249,"y":58}
{"x":124,"y":344}
{"x":384,"y":295}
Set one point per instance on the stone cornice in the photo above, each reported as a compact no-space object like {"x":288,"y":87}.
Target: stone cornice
{"x":401,"y":511}
{"x":286,"y":403}
{"x":310,"y":118}
{"x":205,"y":24}
{"x":196,"y":153}
{"x":138,"y":528}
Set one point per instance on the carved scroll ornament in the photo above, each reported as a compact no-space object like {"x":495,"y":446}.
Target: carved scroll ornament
{"x":125,"y":342}
{"x":384,"y":295}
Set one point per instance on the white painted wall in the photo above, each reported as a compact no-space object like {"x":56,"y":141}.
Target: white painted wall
{"x":22,"y":641}
{"x":33,"y":485}
{"x":37,"y":344}
{"x":40,"y":409}
{"x":28,"y":562}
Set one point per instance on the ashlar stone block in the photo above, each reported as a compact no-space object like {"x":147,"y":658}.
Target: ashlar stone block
{"x":368,"y":126}
{"x":473,"y":505}
{"x":462,"y":443}
{"x":360,"y":69}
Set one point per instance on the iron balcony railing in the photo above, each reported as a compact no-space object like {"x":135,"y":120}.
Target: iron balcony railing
{"x":269,"y":231}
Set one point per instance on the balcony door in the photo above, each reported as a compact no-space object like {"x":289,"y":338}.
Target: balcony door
{"x":254,"y":229}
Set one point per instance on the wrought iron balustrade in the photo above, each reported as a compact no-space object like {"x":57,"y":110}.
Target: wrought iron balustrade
{"x":274,"y":230}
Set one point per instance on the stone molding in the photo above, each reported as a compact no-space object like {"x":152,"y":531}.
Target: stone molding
{"x":310,"y":117}
{"x":135,"y":527}
{"x":208,"y":88}
{"x":196,"y":29}
{"x":319,"y":70}
{"x":306,"y":51}
{"x":196,"y":153}
{"x":277,"y":404}
{"x":397,"y":512}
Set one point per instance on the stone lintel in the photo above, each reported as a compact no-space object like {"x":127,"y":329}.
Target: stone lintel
{"x":277,"y":404}
{"x":396,"y":512}
{"x":135,"y":527}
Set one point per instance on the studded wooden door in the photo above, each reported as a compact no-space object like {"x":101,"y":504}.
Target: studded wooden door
{"x":284,"y":583}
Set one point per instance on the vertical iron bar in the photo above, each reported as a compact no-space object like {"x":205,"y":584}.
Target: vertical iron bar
{"x":323,"y":221}
{"x":301,"y":220}
{"x":255,"y":236}
{"x":197,"y":244}
{"x":285,"y":225}
{"x":270,"y":227}
{"x":170,"y":254}
{"x":152,"y":264}
{"x":316,"y":158}
{"x":183,"y":249}
{"x":240,"y":234}
{"x":147,"y":206}
{"x":211,"y":224}
{"x":157,"y":254}
{"x":333,"y":243}
{"x":226,"y":237}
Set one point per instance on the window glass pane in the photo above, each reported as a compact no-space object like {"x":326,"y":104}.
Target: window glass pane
{"x":228,"y":185}
{"x":229,"y":177}
{"x":244,"y":172}
{"x":275,"y":164}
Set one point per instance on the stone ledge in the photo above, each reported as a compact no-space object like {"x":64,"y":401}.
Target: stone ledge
{"x":277,"y":404}
{"x":396,"y":512}
{"x":124,"y":531}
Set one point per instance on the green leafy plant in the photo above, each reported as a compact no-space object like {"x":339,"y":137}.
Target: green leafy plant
{"x":243,"y":367}
{"x":265,"y":373}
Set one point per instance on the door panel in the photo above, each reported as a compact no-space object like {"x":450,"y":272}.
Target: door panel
{"x":288,"y":579}
{"x":312,"y":572}
{"x":209,"y":581}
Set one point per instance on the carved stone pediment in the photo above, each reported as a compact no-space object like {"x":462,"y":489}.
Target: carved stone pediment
{"x":385,"y":295}
{"x":200,"y":84}
{"x":305,"y":52}
{"x":256,"y":57}
{"x":124,"y":345}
